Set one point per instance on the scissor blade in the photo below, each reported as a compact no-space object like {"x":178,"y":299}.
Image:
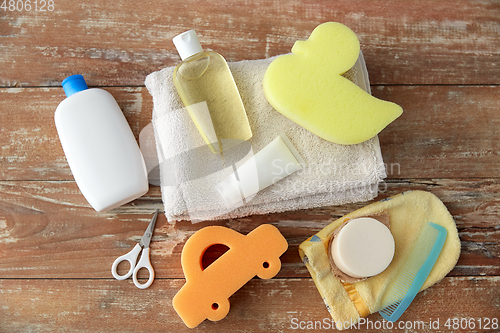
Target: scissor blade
{"x":146,"y":239}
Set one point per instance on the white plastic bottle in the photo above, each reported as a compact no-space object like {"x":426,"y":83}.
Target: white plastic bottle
{"x":99,"y":145}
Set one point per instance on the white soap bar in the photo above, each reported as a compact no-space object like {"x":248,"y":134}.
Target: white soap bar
{"x":364,"y":247}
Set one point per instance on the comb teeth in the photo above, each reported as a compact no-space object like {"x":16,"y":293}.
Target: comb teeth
{"x":412,"y":276}
{"x":390,"y":309}
{"x":416,"y":259}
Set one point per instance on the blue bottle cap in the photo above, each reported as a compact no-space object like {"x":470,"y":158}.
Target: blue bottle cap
{"x":73,"y":84}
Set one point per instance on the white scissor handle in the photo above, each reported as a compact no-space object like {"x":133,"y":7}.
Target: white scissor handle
{"x":144,"y":262}
{"x":131,"y":257}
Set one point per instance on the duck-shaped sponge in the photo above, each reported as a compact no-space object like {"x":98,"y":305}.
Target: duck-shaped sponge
{"x":307,"y":87}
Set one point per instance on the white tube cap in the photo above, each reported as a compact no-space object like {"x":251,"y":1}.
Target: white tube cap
{"x":364,"y":247}
{"x":229,"y":190}
{"x":187,"y":44}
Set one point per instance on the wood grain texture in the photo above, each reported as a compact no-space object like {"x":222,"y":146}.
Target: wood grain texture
{"x":440,"y":60}
{"x":260,"y":306}
{"x":405,"y":42}
{"x":29,"y":145}
{"x":445,"y":131}
{"x":49,"y":231}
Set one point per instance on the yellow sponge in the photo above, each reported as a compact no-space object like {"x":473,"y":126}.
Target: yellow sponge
{"x":307,"y":87}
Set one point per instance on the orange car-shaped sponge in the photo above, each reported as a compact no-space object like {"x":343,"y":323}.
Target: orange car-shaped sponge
{"x":206,"y":292}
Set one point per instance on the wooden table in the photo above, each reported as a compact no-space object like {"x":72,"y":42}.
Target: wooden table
{"x":438,"y":59}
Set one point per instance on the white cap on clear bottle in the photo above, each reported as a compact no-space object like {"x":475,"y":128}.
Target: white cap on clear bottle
{"x":187,"y":44}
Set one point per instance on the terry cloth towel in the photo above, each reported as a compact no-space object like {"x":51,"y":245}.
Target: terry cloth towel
{"x":408,"y":212}
{"x":334,"y":174}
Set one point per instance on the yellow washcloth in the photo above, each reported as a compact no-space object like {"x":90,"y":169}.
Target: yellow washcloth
{"x":408,"y":213}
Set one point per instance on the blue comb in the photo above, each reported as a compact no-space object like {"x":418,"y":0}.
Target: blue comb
{"x":417,"y":268}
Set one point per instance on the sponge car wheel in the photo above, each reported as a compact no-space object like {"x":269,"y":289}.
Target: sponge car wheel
{"x":269,"y":269}
{"x":220,"y":309}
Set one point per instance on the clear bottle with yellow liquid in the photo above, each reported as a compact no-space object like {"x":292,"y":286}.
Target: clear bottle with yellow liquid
{"x":209,"y":93}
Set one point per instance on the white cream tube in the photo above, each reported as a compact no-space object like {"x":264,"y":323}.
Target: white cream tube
{"x":274,"y":162}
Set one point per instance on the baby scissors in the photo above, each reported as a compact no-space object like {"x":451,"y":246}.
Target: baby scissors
{"x":132,"y":256}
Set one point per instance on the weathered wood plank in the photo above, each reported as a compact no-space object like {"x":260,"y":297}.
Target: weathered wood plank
{"x":29,"y":145}
{"x":438,"y":60}
{"x":445,"y":131}
{"x":404,"y":42}
{"x":47,"y":230}
{"x":277,"y":305}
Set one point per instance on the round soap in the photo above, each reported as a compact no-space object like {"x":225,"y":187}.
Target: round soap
{"x":364,"y":247}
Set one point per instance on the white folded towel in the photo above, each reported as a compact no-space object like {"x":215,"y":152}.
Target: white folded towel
{"x":334,"y":174}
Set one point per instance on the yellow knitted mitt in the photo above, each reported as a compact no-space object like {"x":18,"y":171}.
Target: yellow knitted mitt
{"x":408,"y":212}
